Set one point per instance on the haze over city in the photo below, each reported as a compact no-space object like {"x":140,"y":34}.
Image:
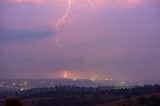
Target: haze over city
{"x":101,"y":39}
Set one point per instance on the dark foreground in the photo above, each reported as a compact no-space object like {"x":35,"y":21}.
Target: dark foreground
{"x":82,"y":96}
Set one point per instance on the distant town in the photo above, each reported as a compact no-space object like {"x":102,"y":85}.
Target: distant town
{"x":25,"y":84}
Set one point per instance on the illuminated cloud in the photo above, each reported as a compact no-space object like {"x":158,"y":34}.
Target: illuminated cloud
{"x":122,"y":3}
{"x":133,"y":3}
{"x":94,"y":44}
{"x":94,"y":3}
{"x":25,"y":1}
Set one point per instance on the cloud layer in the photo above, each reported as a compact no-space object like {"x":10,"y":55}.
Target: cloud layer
{"x":119,"y":40}
{"x":23,"y":35}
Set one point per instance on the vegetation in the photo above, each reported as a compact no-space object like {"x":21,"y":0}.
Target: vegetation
{"x":12,"y":102}
{"x":82,"y":96}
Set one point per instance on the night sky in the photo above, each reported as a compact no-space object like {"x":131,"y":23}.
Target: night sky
{"x":118,"y":39}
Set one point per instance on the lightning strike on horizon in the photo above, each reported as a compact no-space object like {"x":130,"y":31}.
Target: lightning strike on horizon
{"x":65,"y":74}
{"x":60,"y":21}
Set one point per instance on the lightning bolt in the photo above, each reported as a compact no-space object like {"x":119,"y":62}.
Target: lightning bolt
{"x":60,"y":21}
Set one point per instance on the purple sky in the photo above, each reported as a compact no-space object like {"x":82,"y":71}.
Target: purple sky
{"x":119,"y":39}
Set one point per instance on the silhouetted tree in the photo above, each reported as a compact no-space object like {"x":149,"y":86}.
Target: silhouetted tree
{"x":12,"y":102}
{"x":142,"y":101}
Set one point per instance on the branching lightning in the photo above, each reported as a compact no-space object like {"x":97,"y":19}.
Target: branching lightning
{"x":62,"y":19}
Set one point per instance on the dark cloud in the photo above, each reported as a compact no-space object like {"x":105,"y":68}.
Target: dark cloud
{"x":23,"y":35}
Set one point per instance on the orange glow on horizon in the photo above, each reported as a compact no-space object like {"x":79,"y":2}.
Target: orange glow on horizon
{"x":69,"y":75}
{"x":65,"y":74}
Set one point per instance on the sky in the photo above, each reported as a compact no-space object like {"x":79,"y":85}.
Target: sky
{"x":113,"y":39}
